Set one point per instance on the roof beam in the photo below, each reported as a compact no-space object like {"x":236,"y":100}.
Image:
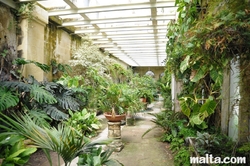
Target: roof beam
{"x":117,"y":20}
{"x":109,"y":8}
{"x":124,"y":42}
{"x":123,"y":28}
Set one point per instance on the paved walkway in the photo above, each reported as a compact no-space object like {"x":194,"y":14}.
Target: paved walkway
{"x":138,"y":151}
{"x":146,"y":151}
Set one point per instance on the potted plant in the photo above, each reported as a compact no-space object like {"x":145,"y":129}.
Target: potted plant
{"x":146,"y":88}
{"x":118,"y":100}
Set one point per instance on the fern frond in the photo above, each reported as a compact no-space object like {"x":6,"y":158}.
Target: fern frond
{"x":7,"y":99}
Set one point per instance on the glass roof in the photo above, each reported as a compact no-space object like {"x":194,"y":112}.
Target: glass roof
{"x":132,"y":30}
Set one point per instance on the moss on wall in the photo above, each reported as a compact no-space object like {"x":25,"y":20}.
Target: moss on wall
{"x":8,"y":41}
{"x":215,"y":6}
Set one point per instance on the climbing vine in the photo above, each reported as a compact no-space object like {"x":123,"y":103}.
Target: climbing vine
{"x":202,"y":43}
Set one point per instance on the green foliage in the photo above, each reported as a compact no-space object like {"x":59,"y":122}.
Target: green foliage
{"x":7,"y":99}
{"x":22,"y":62}
{"x":171,"y":122}
{"x":4,"y":53}
{"x":40,"y":117}
{"x":26,"y":9}
{"x":176,"y":131}
{"x":146,"y":87}
{"x":182,"y":157}
{"x":58,"y":67}
{"x":201,"y":45}
{"x":120,"y":98}
{"x":244,"y":149}
{"x":118,"y":73}
{"x":55,"y":99}
{"x":97,"y":157}
{"x":204,"y":143}
{"x":86,"y":123}
{"x":197,"y":113}
{"x":88,"y":55}
{"x":41,"y":95}
{"x":15,"y":150}
{"x":64,"y":139}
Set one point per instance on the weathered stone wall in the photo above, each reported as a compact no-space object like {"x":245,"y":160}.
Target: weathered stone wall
{"x":58,"y":44}
{"x":8,"y":40}
{"x":32,"y":41}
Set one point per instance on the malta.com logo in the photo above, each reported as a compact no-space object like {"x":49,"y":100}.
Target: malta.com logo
{"x":210,"y":159}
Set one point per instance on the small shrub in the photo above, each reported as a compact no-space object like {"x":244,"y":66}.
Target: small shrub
{"x":84,"y":122}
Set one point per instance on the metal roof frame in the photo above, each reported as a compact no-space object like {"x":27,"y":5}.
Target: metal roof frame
{"x":137,"y":37}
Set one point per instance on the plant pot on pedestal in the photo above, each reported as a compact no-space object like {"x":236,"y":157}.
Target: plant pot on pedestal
{"x":114,"y":118}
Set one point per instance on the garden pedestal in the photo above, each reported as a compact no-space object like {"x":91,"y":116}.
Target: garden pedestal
{"x":114,"y":132}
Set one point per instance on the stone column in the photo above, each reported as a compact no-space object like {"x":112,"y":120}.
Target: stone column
{"x":114,"y":132}
{"x":31,"y":46}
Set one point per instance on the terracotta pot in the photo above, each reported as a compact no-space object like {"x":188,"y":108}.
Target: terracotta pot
{"x":143,"y":99}
{"x":116,"y":118}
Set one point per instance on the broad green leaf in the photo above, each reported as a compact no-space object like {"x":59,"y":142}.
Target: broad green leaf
{"x":11,"y":139}
{"x":7,"y":99}
{"x":41,"y":95}
{"x":184,"y":64}
{"x":21,"y":61}
{"x":97,"y":161}
{"x":209,"y":106}
{"x":28,"y":152}
{"x":44,"y":67}
{"x":199,"y":74}
{"x":12,"y":156}
{"x":196,"y":120}
{"x":184,"y":106}
{"x":95,"y":126}
{"x":202,"y":126}
{"x":216,"y":76}
{"x":55,"y":113}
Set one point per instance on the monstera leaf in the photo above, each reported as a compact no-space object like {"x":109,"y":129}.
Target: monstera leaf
{"x":66,"y":101}
{"x":55,"y":113}
{"x":7,"y":99}
{"x":20,"y":86}
{"x":41,"y":95}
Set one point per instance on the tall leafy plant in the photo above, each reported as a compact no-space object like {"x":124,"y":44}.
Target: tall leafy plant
{"x":201,"y":45}
{"x":63,"y":139}
{"x":15,"y":150}
{"x":29,"y":94}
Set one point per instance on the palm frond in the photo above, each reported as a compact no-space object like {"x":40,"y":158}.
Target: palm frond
{"x":63,"y":140}
{"x":39,"y":117}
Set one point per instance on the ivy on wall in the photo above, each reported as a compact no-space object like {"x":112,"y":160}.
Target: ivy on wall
{"x":202,"y":43}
